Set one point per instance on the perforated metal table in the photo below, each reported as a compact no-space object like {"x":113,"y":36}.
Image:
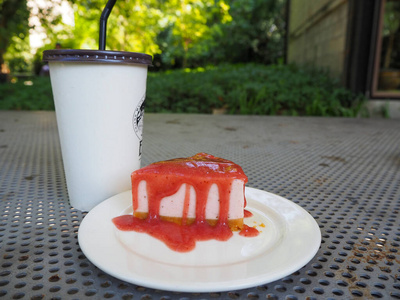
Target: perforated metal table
{"x":344,"y":172}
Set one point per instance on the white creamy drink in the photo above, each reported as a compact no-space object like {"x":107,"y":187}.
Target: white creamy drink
{"x":99,"y":100}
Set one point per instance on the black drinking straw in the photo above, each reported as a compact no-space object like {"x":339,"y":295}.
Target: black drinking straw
{"x":103,"y":23}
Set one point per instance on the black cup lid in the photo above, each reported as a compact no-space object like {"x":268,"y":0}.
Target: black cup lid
{"x":96,"y":56}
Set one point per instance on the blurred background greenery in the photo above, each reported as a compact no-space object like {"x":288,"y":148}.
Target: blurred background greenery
{"x":178,"y":33}
{"x":207,"y":55}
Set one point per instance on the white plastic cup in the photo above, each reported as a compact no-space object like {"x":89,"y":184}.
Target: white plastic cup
{"x":99,"y":101}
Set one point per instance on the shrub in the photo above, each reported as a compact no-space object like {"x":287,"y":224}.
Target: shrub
{"x":27,"y":94}
{"x":240,"y":89}
{"x":251,"y":89}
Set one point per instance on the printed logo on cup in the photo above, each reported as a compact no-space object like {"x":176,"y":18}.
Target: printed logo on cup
{"x":138,"y":121}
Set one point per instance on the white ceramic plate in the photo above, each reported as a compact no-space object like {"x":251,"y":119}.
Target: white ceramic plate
{"x":289,"y":238}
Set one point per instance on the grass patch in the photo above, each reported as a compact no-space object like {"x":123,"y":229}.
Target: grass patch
{"x":240,"y":89}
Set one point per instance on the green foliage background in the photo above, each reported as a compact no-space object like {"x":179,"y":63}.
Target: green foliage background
{"x":239,"y":89}
{"x":207,"y":54}
{"x":178,"y":33}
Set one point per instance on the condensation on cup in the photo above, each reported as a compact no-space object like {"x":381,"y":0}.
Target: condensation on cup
{"x":99,"y":100}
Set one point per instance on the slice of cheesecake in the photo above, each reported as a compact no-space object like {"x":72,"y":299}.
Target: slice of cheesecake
{"x":201,"y":189}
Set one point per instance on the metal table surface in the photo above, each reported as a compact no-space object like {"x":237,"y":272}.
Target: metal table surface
{"x":344,"y":172}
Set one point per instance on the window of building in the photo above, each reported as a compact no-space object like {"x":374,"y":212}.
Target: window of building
{"x":386,"y":73}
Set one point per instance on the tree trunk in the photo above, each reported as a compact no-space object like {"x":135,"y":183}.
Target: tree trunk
{"x":3,"y":76}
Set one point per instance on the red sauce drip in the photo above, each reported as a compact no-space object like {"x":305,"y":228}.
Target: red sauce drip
{"x":249,"y":231}
{"x":199,"y":171}
{"x":247,"y":214}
